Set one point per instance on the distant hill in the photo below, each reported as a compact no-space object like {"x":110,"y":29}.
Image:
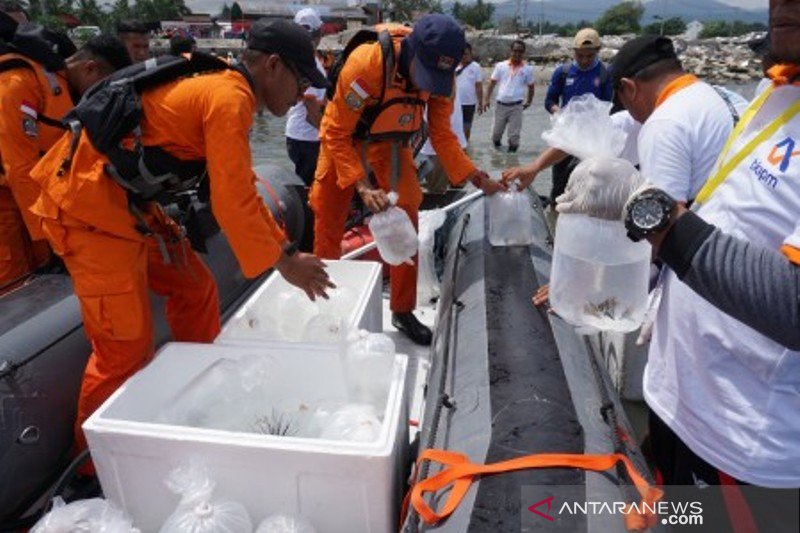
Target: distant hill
{"x":576,"y":10}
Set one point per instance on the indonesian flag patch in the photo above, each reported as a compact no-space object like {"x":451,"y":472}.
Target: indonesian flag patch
{"x":357,"y":95}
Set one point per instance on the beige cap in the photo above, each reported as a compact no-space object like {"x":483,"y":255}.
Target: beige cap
{"x":586,"y":38}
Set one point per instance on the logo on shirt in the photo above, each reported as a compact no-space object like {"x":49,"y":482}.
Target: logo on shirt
{"x":782,"y":153}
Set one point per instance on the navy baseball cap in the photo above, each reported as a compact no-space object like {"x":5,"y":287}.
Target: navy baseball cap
{"x":438,"y":43}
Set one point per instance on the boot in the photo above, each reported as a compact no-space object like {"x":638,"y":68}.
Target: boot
{"x":415,"y":330}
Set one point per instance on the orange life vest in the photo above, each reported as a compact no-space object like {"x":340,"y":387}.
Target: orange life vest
{"x":399,"y":112}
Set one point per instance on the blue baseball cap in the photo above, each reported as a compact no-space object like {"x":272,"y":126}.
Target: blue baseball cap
{"x":438,"y":43}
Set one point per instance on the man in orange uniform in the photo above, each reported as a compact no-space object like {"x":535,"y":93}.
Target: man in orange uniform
{"x":116,"y":246}
{"x":36,"y":93}
{"x":379,"y":103}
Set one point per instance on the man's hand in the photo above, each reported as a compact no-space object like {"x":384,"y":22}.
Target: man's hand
{"x":481,"y":180}
{"x":523,"y":175}
{"x":554,"y":109}
{"x":376,"y":200}
{"x":599,"y":188}
{"x":526,"y":105}
{"x":485,"y":107}
{"x":306,"y":272}
{"x":542,"y":296}
{"x":314,"y":110}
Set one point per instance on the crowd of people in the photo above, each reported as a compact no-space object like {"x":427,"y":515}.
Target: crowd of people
{"x":720,"y":205}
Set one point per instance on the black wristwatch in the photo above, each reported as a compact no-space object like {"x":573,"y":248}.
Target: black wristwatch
{"x":648,"y":213}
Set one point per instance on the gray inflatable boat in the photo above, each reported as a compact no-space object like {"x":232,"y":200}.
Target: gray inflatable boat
{"x":508,"y":380}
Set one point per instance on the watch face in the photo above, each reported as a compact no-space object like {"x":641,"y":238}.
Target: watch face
{"x":647,"y":213}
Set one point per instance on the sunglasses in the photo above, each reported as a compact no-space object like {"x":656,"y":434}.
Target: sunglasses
{"x":302,"y":82}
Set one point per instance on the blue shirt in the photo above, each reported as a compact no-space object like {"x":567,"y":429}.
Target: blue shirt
{"x":577,"y":82}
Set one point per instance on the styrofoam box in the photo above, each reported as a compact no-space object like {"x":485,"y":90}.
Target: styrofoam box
{"x":339,"y":486}
{"x":364,"y":278}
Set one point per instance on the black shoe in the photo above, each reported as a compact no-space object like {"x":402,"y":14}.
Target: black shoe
{"x":513,"y":149}
{"x":412,"y":328}
{"x":498,"y":146}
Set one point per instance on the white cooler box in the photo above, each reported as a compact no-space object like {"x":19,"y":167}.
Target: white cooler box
{"x":263,"y":316}
{"x":340,"y":486}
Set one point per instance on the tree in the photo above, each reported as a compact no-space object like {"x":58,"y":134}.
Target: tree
{"x":157,"y":10}
{"x":478,"y":15}
{"x":670,"y":26}
{"x":89,"y":13}
{"x":621,"y":18}
{"x":406,"y":10}
{"x":722,"y":28}
{"x":224,"y":13}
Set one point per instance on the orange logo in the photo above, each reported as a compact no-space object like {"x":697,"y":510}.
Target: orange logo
{"x":782,"y":153}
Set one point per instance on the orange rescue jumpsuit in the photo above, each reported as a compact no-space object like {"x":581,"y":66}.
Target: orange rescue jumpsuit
{"x":87,"y":220}
{"x":340,"y":160}
{"x":27,"y":95}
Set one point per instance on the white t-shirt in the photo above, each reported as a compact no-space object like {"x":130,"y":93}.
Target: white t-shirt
{"x":680,"y":142}
{"x":465,"y":83}
{"x":730,"y":393}
{"x":623,"y":121}
{"x":512,"y":81}
{"x":297,"y":127}
{"x":456,"y":124}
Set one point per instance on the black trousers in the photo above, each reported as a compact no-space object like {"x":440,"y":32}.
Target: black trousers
{"x":304,"y":155}
{"x":561,"y":173}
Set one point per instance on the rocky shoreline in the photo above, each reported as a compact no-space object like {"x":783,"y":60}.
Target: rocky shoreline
{"x":720,"y":60}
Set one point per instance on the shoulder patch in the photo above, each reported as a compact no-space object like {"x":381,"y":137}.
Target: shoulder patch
{"x":353,"y":100}
{"x":29,"y":126}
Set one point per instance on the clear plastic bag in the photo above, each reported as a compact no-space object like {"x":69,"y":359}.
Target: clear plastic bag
{"x":281,"y":523}
{"x":584,"y":129}
{"x":352,"y":422}
{"x":599,"y":187}
{"x":510,"y":218}
{"x":427,"y":280}
{"x":369,"y":358}
{"x":197,"y":512}
{"x":394,"y":234}
{"x":84,"y":516}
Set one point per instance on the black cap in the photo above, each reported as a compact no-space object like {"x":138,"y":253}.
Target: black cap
{"x":761,"y":45}
{"x":291,"y":42}
{"x":7,"y":26}
{"x":640,"y":53}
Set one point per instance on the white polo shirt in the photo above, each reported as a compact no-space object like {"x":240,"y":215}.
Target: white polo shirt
{"x":679,"y":143}
{"x":297,"y":127}
{"x":512,"y":81}
{"x":466,"y":78}
{"x":730,"y":393}
{"x":456,"y":124}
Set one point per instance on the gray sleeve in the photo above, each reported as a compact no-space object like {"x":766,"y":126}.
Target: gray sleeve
{"x":757,"y":286}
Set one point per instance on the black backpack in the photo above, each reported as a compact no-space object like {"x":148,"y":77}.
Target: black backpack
{"x":365,"y":36}
{"x":110,"y":113}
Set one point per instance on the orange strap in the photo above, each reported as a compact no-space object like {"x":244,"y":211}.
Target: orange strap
{"x":460,"y":473}
{"x":676,"y":85}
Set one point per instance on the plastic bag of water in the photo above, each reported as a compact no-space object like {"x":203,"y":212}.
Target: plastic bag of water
{"x":197,"y":511}
{"x":282,"y":523}
{"x":394,"y":234}
{"x":369,"y":359}
{"x":352,"y":422}
{"x":84,"y":516}
{"x":427,"y":280}
{"x":510,"y":218}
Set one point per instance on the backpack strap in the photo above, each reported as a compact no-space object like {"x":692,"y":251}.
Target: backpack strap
{"x":388,"y":60}
{"x":729,"y":103}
